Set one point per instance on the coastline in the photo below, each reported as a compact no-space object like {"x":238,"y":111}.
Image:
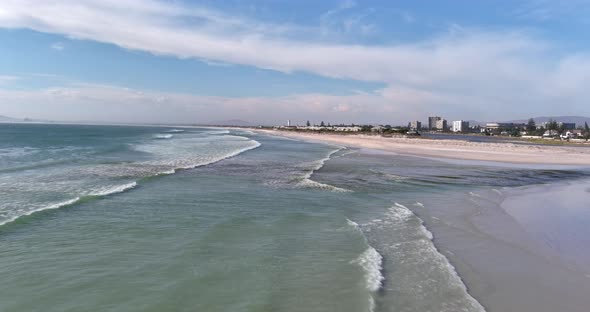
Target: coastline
{"x":454,"y":149}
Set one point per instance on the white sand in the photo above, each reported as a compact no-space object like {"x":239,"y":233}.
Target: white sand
{"x":455,"y":149}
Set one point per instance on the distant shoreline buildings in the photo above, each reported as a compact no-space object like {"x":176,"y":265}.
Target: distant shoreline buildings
{"x":546,"y":130}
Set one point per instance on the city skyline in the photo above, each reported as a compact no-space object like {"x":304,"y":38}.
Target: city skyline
{"x":265,"y":62}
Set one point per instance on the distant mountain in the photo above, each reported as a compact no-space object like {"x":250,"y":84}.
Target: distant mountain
{"x":8,"y":119}
{"x":475,"y":123}
{"x":578,"y":120}
{"x":231,"y":122}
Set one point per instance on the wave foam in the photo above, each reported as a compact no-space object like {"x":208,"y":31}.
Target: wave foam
{"x":163,"y":136}
{"x":371,"y":261}
{"x":108,"y":190}
{"x":48,"y":207}
{"x":416,"y":244}
{"x":306,"y":180}
{"x":353,"y":224}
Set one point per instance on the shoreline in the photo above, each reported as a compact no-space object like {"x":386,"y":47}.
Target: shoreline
{"x":454,"y":149}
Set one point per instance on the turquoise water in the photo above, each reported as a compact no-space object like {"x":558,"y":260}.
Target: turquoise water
{"x":108,"y":218}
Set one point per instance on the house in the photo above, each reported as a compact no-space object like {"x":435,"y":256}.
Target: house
{"x":378,"y":129}
{"x":551,"y":134}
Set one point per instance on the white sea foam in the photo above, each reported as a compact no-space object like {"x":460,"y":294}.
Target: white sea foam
{"x":167,"y":156}
{"x":112,"y":189}
{"x":189,"y":153}
{"x":175,"y":131}
{"x":322,"y":186}
{"x":474,"y":194}
{"x":353,"y":224}
{"x":371,"y":262}
{"x":497,"y":191}
{"x":306,"y":180}
{"x":163,"y":136}
{"x":48,"y":207}
{"x":217,"y":132}
{"x":419,"y":204}
{"x":101,"y":191}
{"x":247,"y":132}
{"x":255,"y":144}
{"x":402,"y":219}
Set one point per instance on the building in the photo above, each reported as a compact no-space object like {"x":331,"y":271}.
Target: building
{"x":499,"y":127}
{"x":432,"y":122}
{"x":415,"y":125}
{"x":377,"y":129}
{"x":441,"y":125}
{"x":460,"y":126}
{"x":565,"y":125}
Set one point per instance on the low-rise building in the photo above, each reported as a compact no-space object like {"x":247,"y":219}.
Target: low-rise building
{"x":377,"y":129}
{"x":499,"y":127}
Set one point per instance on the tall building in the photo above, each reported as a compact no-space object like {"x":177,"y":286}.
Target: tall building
{"x":441,"y":124}
{"x":415,"y":125}
{"x":460,"y":126}
{"x":432,"y":122}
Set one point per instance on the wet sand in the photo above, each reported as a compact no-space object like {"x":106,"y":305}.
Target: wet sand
{"x":509,"y":260}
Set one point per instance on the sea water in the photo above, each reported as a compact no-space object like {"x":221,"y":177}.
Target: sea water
{"x":121,"y":218}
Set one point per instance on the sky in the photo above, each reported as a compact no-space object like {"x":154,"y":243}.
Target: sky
{"x":267,"y":61}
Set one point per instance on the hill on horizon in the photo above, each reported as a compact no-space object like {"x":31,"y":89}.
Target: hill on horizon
{"x":578,"y":120}
{"x":8,"y":119}
{"x":230,"y":122}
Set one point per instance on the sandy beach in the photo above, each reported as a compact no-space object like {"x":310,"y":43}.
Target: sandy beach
{"x":455,"y":149}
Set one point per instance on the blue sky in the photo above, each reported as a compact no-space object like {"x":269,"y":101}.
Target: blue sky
{"x":267,"y":61}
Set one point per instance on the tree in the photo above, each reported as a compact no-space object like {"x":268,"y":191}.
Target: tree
{"x":561,"y":128}
{"x":308,"y":124}
{"x":552,"y":125}
{"x":322,"y":124}
{"x":531,"y":126}
{"x":586,"y":128}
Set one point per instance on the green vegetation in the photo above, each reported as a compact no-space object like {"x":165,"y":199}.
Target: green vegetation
{"x":531,"y":126}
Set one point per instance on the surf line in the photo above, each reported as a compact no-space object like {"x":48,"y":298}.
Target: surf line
{"x":307,"y":180}
{"x":84,"y":198}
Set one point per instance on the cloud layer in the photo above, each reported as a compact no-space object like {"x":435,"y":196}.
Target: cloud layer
{"x":464,"y":73}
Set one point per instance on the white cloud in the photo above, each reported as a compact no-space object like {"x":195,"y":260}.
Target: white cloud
{"x":6,"y":79}
{"x":550,"y":10}
{"x":473,"y":72}
{"x":111,"y":103}
{"x":58,"y":46}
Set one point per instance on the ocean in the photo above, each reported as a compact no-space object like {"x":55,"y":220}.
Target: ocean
{"x":132,"y":218}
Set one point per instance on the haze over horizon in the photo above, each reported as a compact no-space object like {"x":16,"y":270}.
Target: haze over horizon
{"x":269,"y":61}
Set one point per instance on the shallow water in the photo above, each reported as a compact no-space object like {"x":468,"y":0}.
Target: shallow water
{"x":195,"y":219}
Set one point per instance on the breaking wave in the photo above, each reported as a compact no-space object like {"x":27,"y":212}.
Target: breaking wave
{"x":169,"y":157}
{"x":306,"y":180}
{"x":100,"y":192}
{"x":163,"y":136}
{"x":416,"y":258}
